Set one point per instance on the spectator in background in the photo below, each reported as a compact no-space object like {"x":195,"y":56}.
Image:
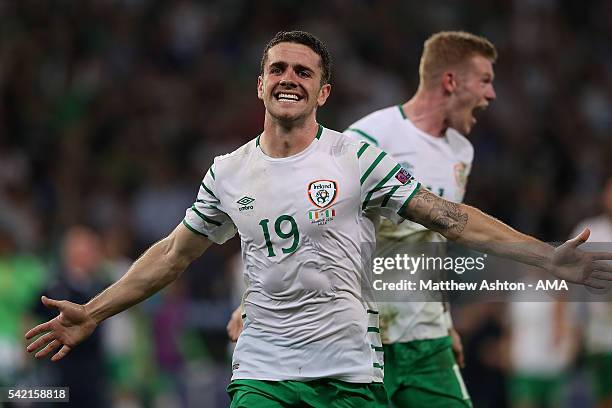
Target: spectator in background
{"x":598,"y":332}
{"x":18,"y":212}
{"x":481,"y":325}
{"x":127,"y":337}
{"x":543,"y":341}
{"x":78,"y":280}
{"x":21,"y":279}
{"x":159,"y":203}
{"x":169,"y":329}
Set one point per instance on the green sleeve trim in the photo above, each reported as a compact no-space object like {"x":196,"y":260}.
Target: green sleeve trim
{"x":189,"y":227}
{"x":370,"y":311}
{"x":208,"y":190}
{"x":212,"y":173}
{"x":372,"y":167}
{"x":376,"y":365}
{"x":373,"y":329}
{"x":380,"y":185}
{"x":376,"y":348}
{"x":402,"y":111}
{"x":365,"y":135}
{"x":208,"y":206}
{"x":205,"y":218}
{"x":417,"y":188}
{"x":363,"y":148}
{"x":211,"y":207}
{"x":388,"y":196}
{"x":319,"y":132}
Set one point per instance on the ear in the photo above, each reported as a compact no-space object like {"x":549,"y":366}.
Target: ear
{"x":323,"y":94}
{"x":260,"y":91}
{"x":449,"y":81}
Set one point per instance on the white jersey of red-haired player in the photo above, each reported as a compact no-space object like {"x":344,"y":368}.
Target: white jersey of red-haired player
{"x":442,"y":164}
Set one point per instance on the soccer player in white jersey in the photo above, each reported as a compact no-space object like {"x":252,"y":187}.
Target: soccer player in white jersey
{"x":297,"y":195}
{"x":598,"y":333}
{"x":542,"y":344}
{"x":426,"y":135}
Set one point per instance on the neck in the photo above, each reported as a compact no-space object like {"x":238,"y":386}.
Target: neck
{"x":426,"y":111}
{"x":287,"y":139}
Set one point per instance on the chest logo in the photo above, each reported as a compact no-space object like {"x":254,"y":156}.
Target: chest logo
{"x":245,"y":203}
{"x":322,"y":193}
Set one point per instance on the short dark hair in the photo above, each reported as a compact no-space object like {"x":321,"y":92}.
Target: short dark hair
{"x":307,"y":39}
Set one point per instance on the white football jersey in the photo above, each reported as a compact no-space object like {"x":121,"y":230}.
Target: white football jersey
{"x":300,"y":224}
{"x":442,"y":164}
{"x":599,"y":324}
{"x":534,"y":346}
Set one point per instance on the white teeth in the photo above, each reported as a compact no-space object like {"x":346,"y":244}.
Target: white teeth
{"x":288,"y":96}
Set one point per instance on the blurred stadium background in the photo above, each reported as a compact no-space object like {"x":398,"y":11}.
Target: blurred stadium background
{"x":112,"y":110}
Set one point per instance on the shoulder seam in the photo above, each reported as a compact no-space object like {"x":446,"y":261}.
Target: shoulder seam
{"x":236,"y":153}
{"x":365,"y":135}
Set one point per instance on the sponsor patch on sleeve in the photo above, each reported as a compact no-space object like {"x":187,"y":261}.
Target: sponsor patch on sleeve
{"x":403,"y":176}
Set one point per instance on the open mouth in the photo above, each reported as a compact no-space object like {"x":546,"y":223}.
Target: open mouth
{"x":287,"y":97}
{"x":477,"y":111}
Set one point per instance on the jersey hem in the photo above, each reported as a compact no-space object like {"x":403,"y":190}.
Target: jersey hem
{"x":410,"y":340}
{"x":354,"y":380}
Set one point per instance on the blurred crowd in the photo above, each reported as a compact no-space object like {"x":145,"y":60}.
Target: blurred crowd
{"x":112,"y":110}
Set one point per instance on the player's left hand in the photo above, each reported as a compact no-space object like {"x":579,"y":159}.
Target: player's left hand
{"x":457,"y":347}
{"x":586,"y":268}
{"x":73,"y":325}
{"x":234,"y":326}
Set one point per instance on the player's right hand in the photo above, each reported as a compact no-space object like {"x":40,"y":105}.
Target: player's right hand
{"x":69,"y":328}
{"x":234,"y":326}
{"x":586,"y":268}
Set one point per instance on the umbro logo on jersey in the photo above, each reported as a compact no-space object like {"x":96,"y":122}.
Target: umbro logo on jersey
{"x":246,"y":200}
{"x":245,"y":203}
{"x":322,"y":193}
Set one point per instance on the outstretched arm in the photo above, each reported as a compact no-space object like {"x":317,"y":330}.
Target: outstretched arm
{"x":157,"y":267}
{"x":473,"y":228}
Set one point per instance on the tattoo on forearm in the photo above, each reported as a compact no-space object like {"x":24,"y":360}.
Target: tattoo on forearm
{"x":437,"y":213}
